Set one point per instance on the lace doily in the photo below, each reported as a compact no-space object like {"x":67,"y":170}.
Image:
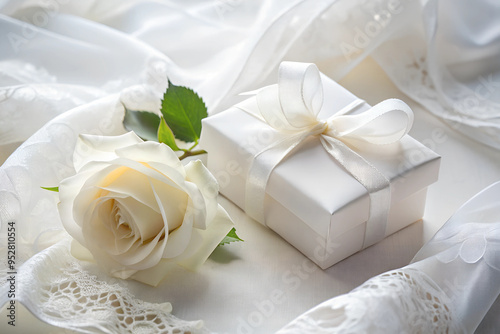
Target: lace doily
{"x":400,"y":301}
{"x":58,"y":289}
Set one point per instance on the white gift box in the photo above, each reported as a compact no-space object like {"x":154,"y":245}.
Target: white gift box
{"x":311,"y":200}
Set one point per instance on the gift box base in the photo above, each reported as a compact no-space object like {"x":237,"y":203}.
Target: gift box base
{"x":327,"y":252}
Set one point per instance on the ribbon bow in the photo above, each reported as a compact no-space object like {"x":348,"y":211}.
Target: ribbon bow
{"x":292,"y":107}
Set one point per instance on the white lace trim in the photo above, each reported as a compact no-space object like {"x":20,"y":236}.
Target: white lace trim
{"x":57,"y":288}
{"x":400,"y":301}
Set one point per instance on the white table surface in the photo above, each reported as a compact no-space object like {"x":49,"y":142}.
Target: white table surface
{"x":260,"y":285}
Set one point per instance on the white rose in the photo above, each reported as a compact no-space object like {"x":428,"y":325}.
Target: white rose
{"x":135,"y":209}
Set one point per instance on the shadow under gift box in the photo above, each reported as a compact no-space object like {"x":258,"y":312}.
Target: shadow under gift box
{"x":311,"y":200}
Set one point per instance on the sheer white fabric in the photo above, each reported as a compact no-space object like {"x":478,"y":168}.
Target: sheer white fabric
{"x":441,"y":53}
{"x":66,"y":65}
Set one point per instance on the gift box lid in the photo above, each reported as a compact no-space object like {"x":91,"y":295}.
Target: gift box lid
{"x":310,"y":182}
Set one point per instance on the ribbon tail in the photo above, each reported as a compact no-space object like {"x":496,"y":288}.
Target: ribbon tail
{"x":260,"y":170}
{"x":372,"y":179}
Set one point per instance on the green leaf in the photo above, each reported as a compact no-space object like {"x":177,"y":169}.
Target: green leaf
{"x":166,"y":136}
{"x":183,"y":110}
{"x":230,"y":237}
{"x":143,"y":123}
{"x":56,"y":189}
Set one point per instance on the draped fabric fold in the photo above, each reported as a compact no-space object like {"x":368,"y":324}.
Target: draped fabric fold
{"x":292,"y":106}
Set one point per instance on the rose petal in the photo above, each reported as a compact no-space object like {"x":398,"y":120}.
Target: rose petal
{"x":154,"y":275}
{"x":134,"y":184}
{"x":192,"y":248}
{"x":143,"y":255}
{"x":100,"y":148}
{"x":197,"y":173}
{"x":196,"y":206}
{"x":175,"y":179}
{"x":148,"y":222}
{"x":122,"y":272}
{"x":65,"y":208}
{"x":69,"y":189}
{"x":139,"y":257}
{"x":211,"y":237}
{"x":179,"y":239}
{"x":159,"y":154}
{"x":98,"y":230}
{"x":121,"y":229}
{"x":88,"y":204}
{"x":173,"y":201}
{"x":151,"y":254}
{"x":103,"y":260}
{"x":80,"y":252}
{"x":79,"y":191}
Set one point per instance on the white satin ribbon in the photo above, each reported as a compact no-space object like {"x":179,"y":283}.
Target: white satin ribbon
{"x":292,"y":107}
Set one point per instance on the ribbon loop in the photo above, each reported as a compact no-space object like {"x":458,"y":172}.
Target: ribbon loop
{"x":292,"y":107}
{"x":300,"y":93}
{"x":384,"y":123}
{"x":294,"y":103}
